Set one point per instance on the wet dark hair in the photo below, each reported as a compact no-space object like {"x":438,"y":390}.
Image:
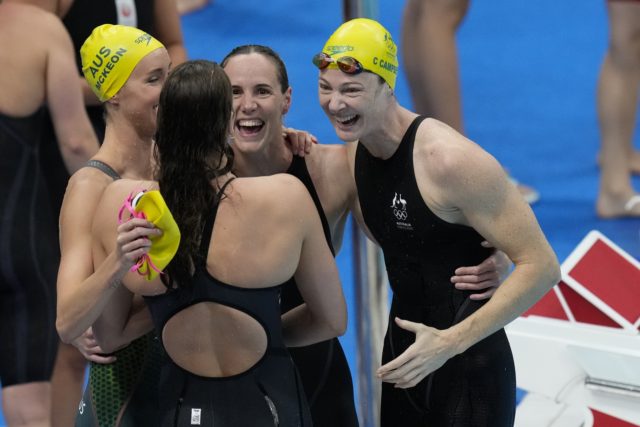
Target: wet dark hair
{"x":191,"y":150}
{"x":246,"y":49}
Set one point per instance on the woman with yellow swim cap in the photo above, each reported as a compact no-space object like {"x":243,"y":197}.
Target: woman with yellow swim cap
{"x":126,"y":69}
{"x":429,"y":196}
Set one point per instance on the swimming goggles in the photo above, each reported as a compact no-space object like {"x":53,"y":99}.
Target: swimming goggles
{"x":346,"y":64}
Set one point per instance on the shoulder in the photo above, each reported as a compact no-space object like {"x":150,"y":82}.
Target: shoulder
{"x":40,"y":20}
{"x":328,"y":160}
{"x":86,"y":184}
{"x":31,"y":25}
{"x":456,"y":168}
{"x":273,"y":193}
{"x":444,"y":154}
{"x":265,"y":187}
{"x":119,"y":190}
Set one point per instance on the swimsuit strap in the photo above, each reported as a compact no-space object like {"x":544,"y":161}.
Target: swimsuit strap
{"x":102,"y":166}
{"x":210,"y":219}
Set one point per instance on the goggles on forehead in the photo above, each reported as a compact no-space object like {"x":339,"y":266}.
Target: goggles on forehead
{"x":346,"y":64}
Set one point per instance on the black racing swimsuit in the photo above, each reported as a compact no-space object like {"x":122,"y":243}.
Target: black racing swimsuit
{"x":323,"y":366}
{"x":421,"y":252}
{"x":267,"y":394}
{"x":29,"y":254}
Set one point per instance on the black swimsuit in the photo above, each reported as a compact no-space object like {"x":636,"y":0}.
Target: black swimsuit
{"x":323,"y":366}
{"x":29,"y":254}
{"x":267,"y":394}
{"x":421,"y":251}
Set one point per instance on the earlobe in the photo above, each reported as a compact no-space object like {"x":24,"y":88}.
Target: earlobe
{"x":114,"y":100}
{"x":287,"y":101}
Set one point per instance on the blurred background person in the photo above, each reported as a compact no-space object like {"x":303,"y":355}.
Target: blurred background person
{"x":430,"y":59}
{"x":617,"y":109}
{"x":38,"y":78}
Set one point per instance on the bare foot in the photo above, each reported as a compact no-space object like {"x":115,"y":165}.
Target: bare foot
{"x":608,"y":206}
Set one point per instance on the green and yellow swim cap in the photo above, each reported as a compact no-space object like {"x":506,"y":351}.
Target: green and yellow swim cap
{"x":110,"y":54}
{"x":370,"y":43}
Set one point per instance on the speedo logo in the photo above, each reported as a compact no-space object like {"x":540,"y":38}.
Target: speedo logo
{"x":103,"y":63}
{"x":339,"y":49}
{"x":391,"y":45}
{"x":143,"y":38}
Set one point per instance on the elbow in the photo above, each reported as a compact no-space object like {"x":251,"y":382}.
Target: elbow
{"x":338,"y":324}
{"x":65,"y":331}
{"x":108,"y":342}
{"x":554,"y":274}
{"x":77,"y":150}
{"x":107,"y":346}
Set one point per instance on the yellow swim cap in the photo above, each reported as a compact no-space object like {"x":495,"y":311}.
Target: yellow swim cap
{"x":164,"y":247}
{"x":110,"y":54}
{"x":368,"y":42}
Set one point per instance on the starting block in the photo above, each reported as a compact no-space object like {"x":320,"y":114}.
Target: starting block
{"x":579,"y":346}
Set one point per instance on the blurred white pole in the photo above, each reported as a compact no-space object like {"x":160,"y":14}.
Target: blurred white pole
{"x":371,"y":284}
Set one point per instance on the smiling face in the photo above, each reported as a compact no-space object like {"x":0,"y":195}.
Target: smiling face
{"x":355,"y":104}
{"x":138,"y":99}
{"x":259,"y":102}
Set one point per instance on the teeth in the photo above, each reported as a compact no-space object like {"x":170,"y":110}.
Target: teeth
{"x":345,"y":119}
{"x":249,"y":123}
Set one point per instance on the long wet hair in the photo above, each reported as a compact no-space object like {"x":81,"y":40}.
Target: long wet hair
{"x":191,"y":150}
{"x":267,"y":52}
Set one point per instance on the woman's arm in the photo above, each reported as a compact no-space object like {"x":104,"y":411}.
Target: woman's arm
{"x":324,"y":314}
{"x":83,"y":292}
{"x":168,"y":31}
{"x":126,"y":317}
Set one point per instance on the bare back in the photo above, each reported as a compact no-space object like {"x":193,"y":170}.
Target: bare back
{"x":266,"y":230}
{"x":30,"y":36}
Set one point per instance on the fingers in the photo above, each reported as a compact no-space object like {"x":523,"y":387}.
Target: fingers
{"x":476,"y":279}
{"x":386,"y":370}
{"x":299,"y":141}
{"x":406,"y":375}
{"x":309,"y":141}
{"x":97,"y":358}
{"x":411,"y":378}
{"x":486,"y":244}
{"x":133,"y":238}
{"x":483,"y":295}
{"x":486,"y":266}
{"x":407,"y":325}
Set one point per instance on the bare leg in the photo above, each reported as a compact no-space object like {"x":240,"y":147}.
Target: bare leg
{"x":431,"y":57}
{"x":617,"y":105}
{"x":66,"y":385}
{"x":27,"y":405}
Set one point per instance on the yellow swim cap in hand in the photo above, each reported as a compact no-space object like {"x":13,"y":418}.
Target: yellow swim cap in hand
{"x":151,"y":206}
{"x":368,"y":42}
{"x":110,"y":54}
